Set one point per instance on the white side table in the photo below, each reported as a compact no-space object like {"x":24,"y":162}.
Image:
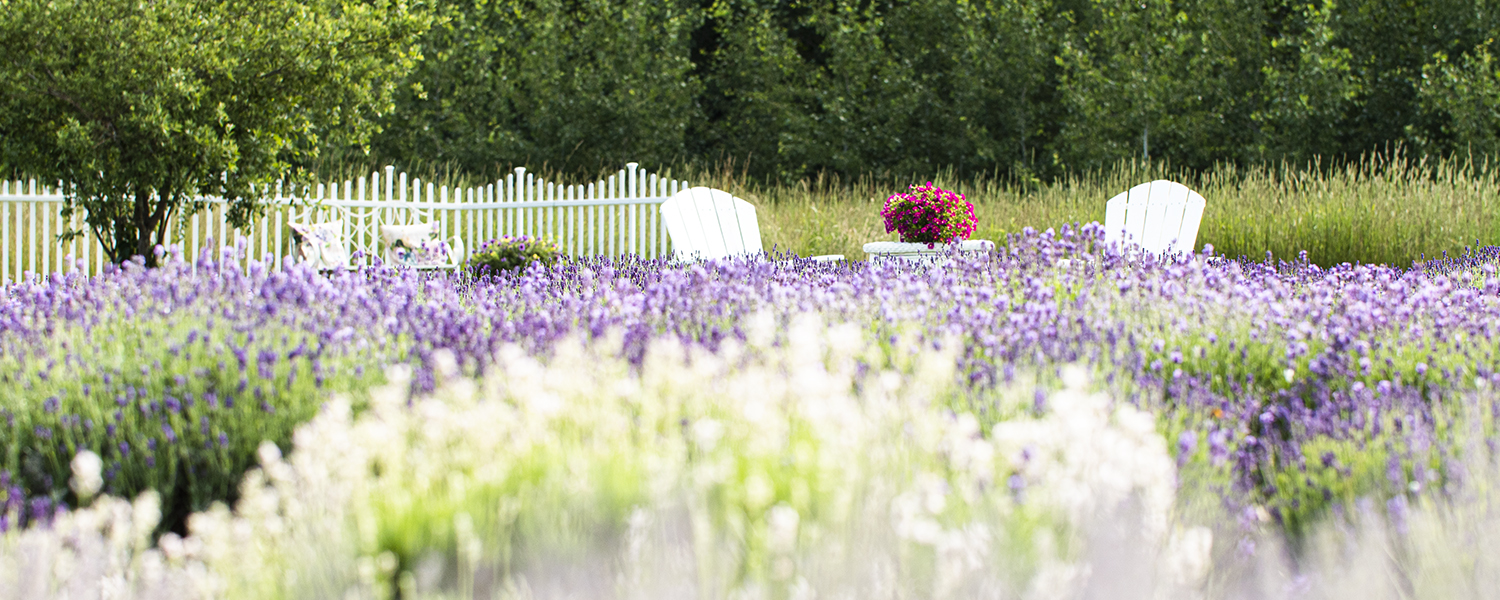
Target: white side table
{"x":906,"y":251}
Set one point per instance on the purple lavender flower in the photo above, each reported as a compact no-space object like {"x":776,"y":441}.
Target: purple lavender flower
{"x":1218,"y":448}
{"x":1187,"y":442}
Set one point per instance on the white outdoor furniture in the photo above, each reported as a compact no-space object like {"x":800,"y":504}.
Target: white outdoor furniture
{"x":324,"y":246}
{"x":705,"y":224}
{"x":321,"y":245}
{"x":417,"y":245}
{"x":1160,"y":216}
{"x":910,"y":251}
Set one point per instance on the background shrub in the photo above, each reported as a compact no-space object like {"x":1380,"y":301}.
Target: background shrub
{"x":510,"y":253}
{"x":1016,"y":88}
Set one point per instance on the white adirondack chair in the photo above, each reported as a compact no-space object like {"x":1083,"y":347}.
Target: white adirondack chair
{"x":705,"y":223}
{"x":1160,"y":216}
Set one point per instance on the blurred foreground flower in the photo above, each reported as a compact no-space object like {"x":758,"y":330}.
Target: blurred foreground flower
{"x":819,"y":462}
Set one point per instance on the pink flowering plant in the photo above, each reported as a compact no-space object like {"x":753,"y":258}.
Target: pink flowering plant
{"x":929,"y":215}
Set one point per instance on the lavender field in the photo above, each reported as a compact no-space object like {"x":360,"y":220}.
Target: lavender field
{"x":1055,"y":420}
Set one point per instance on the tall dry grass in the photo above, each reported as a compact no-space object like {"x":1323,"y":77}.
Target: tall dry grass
{"x":1382,"y":209}
{"x":1385,"y":208}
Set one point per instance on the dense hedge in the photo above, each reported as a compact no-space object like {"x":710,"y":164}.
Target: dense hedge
{"x":1025,"y":87}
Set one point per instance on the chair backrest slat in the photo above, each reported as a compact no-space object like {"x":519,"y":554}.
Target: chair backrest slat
{"x":749,"y":227}
{"x":1139,"y":197}
{"x":1192,"y":217}
{"x":706,"y":223}
{"x":1154,"y":232}
{"x":1159,"y":216}
{"x":1172,"y":225}
{"x":686,"y":240}
{"x":710,"y":222}
{"x":730,"y":234}
{"x":1114,"y":218}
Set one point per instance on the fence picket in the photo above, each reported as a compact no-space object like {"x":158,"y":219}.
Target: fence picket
{"x":534,"y":215}
{"x":570,"y":215}
{"x":45,"y":241}
{"x":65,"y":263}
{"x":596,"y":226}
{"x":632,"y":211}
{"x":515,"y":179}
{"x":653,"y":188}
{"x":5,"y":271}
{"x":611,"y":236}
{"x":31,"y":246}
{"x":223,"y":238}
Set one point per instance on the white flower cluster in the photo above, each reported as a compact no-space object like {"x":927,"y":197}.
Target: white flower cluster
{"x":103,"y":551}
{"x":807,"y":460}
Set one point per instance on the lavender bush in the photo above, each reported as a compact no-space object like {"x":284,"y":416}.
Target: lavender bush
{"x":174,"y":377}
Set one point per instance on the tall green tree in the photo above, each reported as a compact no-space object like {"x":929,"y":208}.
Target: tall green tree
{"x":1392,"y":44}
{"x":1158,"y":79}
{"x":1465,"y":90}
{"x":1306,"y":87}
{"x":577,"y":85}
{"x":143,"y":106}
{"x":798,"y":87}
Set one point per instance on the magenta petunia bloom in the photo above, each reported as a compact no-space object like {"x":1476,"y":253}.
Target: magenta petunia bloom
{"x":929,"y":215}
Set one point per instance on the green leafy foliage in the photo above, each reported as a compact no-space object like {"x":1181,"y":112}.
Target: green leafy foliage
{"x":142,"y":106}
{"x":573,"y":85}
{"x":1466,"y":89}
{"x":1031,"y":89}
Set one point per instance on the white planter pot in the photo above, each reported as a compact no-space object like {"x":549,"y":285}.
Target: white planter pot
{"x":906,"y":251}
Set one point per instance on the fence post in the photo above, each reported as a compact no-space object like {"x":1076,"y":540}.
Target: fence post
{"x":632,"y":192}
{"x":31,"y":247}
{"x":5,"y":236}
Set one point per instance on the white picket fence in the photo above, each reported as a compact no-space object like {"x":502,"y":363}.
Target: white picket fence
{"x":614,"y":216}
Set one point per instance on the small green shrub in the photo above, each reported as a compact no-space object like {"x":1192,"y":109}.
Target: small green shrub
{"x":511,"y":253}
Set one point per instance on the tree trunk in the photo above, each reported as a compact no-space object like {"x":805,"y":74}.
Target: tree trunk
{"x":140,"y":222}
{"x":138,"y":233}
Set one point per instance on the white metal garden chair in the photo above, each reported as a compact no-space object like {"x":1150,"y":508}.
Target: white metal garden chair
{"x":1160,"y":216}
{"x":705,"y":223}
